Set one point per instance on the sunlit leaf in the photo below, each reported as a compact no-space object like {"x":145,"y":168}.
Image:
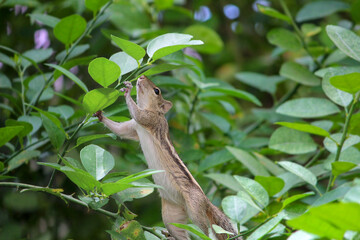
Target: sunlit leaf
{"x":99,"y":99}
{"x":304,"y":127}
{"x":291,"y":141}
{"x":104,"y":71}
{"x":299,"y":73}
{"x":299,"y":171}
{"x":347,"y":41}
{"x":307,"y":108}
{"x":132,"y":49}
{"x":348,"y":83}
{"x":96,"y":160}
{"x":70,"y":28}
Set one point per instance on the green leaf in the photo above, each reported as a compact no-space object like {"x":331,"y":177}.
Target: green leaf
{"x":308,"y":108}
{"x":84,"y":139}
{"x":33,"y":120}
{"x":27,"y":126}
{"x":22,"y":158}
{"x":125,"y":62}
{"x":64,"y":111}
{"x":4,"y":81}
{"x":320,"y":9}
{"x":234,"y":207}
{"x":299,"y":171}
{"x":70,"y":28}
{"x":220,"y":230}
{"x":348,"y":83}
{"x":248,"y":161}
{"x":296,"y":197}
{"x":70,"y":75}
{"x":304,"y":127}
{"x":8,"y":133}
{"x":355,"y":6}
{"x":226,"y":180}
{"x":125,"y":183}
{"x":238,"y":94}
{"x":45,"y":19}
{"x":135,"y":192}
{"x":162,"y":68}
{"x":220,"y":122}
{"x":78,"y":50}
{"x":96,"y":160}
{"x":260,"y":81}
{"x":347,"y":41}
{"x":191,"y":229}
{"x":338,"y":168}
{"x":212,"y":41}
{"x":214,"y":159}
{"x":310,"y":29}
{"x":56,"y":133}
{"x":95,"y":5}
{"x":330,"y":220}
{"x":36,"y":55}
{"x":284,"y":38}
{"x":132,"y":49}
{"x":271,"y":184}
{"x":164,"y":4}
{"x":337,"y":96}
{"x":299,"y":73}
{"x":99,"y":99}
{"x":74,"y":62}
{"x":80,"y":177}
{"x":273,"y":13}
{"x":254,"y":189}
{"x":331,"y":146}
{"x":266,"y":228}
{"x":168,"y":43}
{"x":291,"y":141}
{"x":104,"y":71}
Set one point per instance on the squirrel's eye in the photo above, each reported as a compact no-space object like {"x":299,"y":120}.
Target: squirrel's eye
{"x":157,"y":91}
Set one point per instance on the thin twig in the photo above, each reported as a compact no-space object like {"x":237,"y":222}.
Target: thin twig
{"x":65,"y":196}
{"x":343,"y":137}
{"x":192,"y":109}
{"x":67,"y":147}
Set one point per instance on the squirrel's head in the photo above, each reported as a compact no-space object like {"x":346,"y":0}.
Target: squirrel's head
{"x":149,"y":96}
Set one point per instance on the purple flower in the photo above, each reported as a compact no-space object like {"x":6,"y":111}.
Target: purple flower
{"x":20,"y":9}
{"x":8,"y":28}
{"x":231,"y":11}
{"x":203,"y":14}
{"x":41,"y":38}
{"x":74,"y":70}
{"x":59,"y":83}
{"x":192,"y":53}
{"x":1,"y":65}
{"x":261,"y":2}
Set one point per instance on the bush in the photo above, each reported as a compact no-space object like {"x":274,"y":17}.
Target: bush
{"x":265,"y":115}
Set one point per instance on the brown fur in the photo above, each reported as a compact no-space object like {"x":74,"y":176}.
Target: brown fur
{"x":182,"y":197}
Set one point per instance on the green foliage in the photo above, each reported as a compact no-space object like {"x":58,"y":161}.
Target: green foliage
{"x":265,"y":115}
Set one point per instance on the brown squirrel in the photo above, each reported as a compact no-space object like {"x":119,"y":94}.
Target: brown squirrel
{"x":181,"y":196}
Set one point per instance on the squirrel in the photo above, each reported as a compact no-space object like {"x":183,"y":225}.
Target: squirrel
{"x":181,"y":197}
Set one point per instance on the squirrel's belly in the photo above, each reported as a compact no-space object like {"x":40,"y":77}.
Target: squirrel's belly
{"x":155,"y":158}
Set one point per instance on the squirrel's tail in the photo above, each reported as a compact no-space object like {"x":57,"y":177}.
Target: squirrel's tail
{"x":217,"y":217}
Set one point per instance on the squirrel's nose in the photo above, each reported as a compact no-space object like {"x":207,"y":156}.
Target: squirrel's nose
{"x":142,"y":77}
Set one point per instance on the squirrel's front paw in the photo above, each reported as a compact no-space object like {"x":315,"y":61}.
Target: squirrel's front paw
{"x":127,"y":88}
{"x":99,"y":115}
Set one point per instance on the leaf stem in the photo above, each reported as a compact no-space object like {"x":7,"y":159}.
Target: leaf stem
{"x":65,"y":196}
{"x":192,"y":109}
{"x":343,"y":137}
{"x":153,"y":231}
{"x":297,"y":31}
{"x":68,"y":52}
{"x":315,"y":157}
{"x":67,"y":147}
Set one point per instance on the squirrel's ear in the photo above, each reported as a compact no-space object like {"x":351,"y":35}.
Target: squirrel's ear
{"x":165,"y":106}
